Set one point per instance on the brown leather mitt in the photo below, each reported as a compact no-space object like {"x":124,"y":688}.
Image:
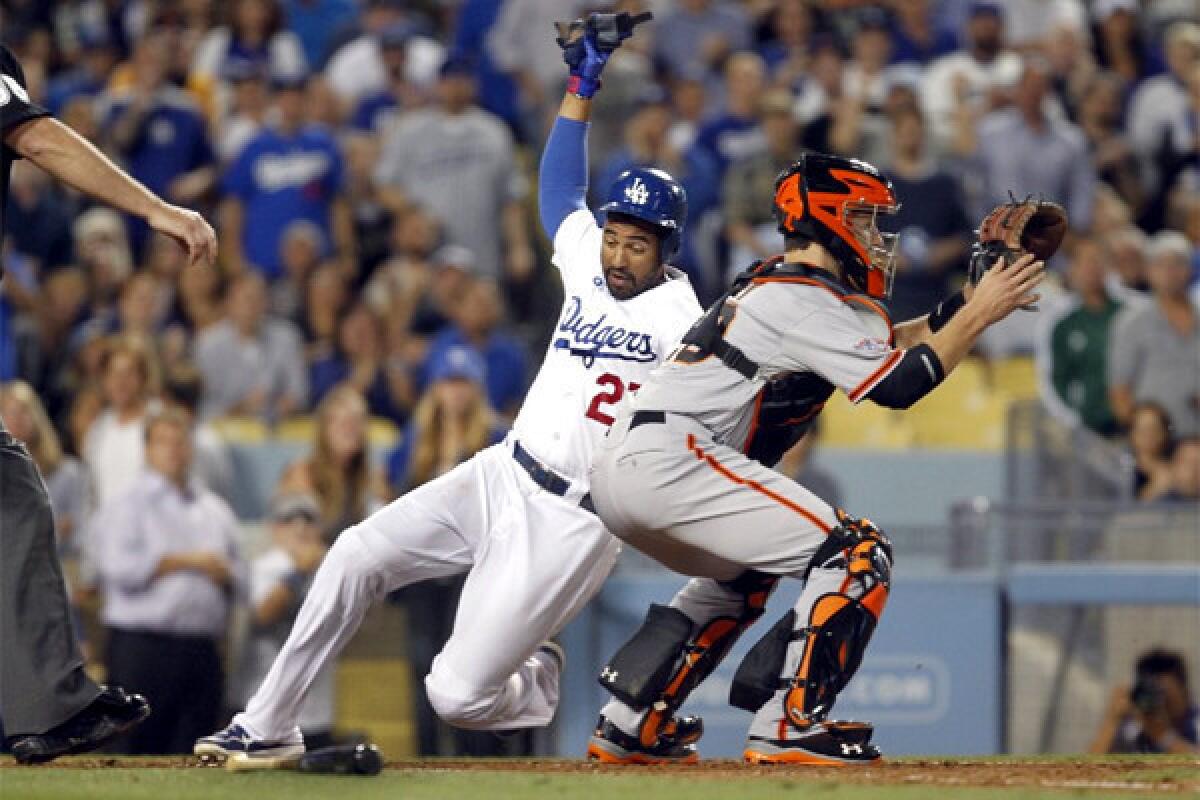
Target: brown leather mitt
{"x":1013,"y":229}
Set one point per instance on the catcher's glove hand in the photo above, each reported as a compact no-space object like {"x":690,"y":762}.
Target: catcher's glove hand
{"x":1013,"y":229}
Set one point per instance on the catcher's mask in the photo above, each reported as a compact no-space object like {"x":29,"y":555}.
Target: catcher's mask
{"x":836,"y":202}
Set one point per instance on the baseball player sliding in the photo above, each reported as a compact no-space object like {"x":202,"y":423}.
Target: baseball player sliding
{"x":518,"y":516}
{"x":685,"y":472}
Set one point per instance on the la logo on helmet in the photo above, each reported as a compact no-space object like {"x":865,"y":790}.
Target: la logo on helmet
{"x":637,"y":193}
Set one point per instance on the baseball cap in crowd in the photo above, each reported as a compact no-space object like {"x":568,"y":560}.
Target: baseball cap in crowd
{"x":651,"y":94}
{"x":985,"y":7}
{"x":287,"y":506}
{"x":872,"y":18}
{"x":397,"y":35}
{"x":1103,"y":9}
{"x":239,"y":70}
{"x":458,"y":362}
{"x":454,"y":255}
{"x":291,"y":79}
{"x":457,"y":64}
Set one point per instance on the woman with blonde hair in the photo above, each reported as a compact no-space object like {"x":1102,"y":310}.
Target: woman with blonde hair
{"x":65,"y":476}
{"x":451,"y":422}
{"x":338,"y":471}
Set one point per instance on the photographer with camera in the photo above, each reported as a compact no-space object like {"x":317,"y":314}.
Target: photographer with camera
{"x":1155,"y":715}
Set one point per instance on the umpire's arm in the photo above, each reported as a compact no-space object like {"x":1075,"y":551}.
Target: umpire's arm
{"x":76,"y":162}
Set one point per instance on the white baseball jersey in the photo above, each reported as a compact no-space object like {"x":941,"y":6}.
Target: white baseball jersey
{"x":602,"y":349}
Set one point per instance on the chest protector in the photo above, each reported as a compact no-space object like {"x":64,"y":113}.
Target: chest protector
{"x":787,"y":404}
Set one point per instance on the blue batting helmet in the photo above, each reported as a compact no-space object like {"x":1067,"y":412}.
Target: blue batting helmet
{"x":652,"y":196}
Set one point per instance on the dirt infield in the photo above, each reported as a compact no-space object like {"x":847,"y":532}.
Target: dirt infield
{"x":1150,"y":775}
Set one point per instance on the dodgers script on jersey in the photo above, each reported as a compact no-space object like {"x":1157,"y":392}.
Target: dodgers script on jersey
{"x":601,"y":350}
{"x":804,"y":328}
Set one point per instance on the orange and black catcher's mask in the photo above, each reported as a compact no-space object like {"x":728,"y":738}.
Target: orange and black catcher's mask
{"x":836,"y":202}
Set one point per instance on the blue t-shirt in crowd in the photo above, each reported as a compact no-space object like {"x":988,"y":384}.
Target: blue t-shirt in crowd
{"x":281,"y":178}
{"x":372,"y":110}
{"x":173,"y":139}
{"x":317,"y":23}
{"x":505,"y":359}
{"x":729,"y":138}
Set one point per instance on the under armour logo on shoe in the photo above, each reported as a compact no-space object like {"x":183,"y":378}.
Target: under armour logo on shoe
{"x":637,"y":193}
{"x":848,"y":749}
{"x":608,"y":675}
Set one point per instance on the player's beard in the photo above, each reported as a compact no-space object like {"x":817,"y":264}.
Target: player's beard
{"x":622,"y":284}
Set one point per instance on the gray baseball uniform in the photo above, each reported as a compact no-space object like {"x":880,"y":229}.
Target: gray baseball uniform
{"x":685,"y":475}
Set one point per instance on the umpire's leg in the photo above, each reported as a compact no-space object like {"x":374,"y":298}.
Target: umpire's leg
{"x":42,"y":682}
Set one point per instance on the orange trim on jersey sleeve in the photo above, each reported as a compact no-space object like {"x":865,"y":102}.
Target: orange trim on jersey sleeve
{"x":875,"y":377}
{"x":865,"y":302}
{"x":732,"y":476}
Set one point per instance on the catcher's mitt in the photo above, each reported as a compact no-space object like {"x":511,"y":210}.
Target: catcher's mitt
{"x":1013,"y":229}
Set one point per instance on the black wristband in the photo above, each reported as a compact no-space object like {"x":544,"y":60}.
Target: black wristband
{"x":945,"y":310}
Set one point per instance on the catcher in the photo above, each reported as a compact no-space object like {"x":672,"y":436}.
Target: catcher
{"x":685,"y":473}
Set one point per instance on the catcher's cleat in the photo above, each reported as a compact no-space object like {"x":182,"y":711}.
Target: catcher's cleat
{"x":837,"y":743}
{"x":676,"y":744}
{"x":112,"y":713}
{"x":235,"y":743}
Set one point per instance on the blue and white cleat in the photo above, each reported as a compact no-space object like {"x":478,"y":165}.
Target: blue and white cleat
{"x":235,"y":744}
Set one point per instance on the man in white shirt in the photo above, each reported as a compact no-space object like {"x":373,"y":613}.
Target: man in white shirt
{"x":169,"y":565}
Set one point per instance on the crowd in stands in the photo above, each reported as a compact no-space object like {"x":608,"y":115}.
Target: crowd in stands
{"x":367,"y":165}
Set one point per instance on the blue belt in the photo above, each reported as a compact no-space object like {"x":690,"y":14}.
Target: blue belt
{"x":546,"y":478}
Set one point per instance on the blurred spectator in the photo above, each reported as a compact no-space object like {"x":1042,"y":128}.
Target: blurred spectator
{"x":787,"y":41}
{"x":457,"y":161}
{"x":1156,"y":714}
{"x":1127,"y":249}
{"x":869,"y":74}
{"x":358,"y":360}
{"x":980,"y":76}
{"x":158,"y":131}
{"x":1077,"y":355}
{"x":113,"y":448}
{"x":376,"y":111}
{"x":748,"y":190}
{"x":326,"y":299}
{"x":287,"y":172}
{"x":1185,"y":472}
{"x":451,"y":423}
{"x":477,"y":317}
{"x":699,"y":35}
{"x":1119,"y":44}
{"x":1067,"y":50}
{"x":248,"y":109}
{"x":1113,"y":159}
{"x":197,"y":301}
{"x":102,"y":252}
{"x":167,"y":552}
{"x":917,"y":35}
{"x":734,"y":133}
{"x":498,"y":92}
{"x":300,"y":249}
{"x":1151,"y":445}
{"x":797,"y":464}
{"x":252,"y":363}
{"x":820,"y":98}
{"x":1155,"y":351}
{"x":1160,"y":105}
{"x":1178,"y":164}
{"x":89,"y":75}
{"x":279,"y":581}
{"x":212,"y":464}
{"x":415,"y":288}
{"x":1022,"y":151}
{"x":316,"y":24}
{"x":934,"y":230}
{"x":254,"y":34}
{"x":372,"y":218}
{"x":356,"y":67}
{"x":38,"y":219}
{"x":65,"y":476}
{"x":338,"y":471}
